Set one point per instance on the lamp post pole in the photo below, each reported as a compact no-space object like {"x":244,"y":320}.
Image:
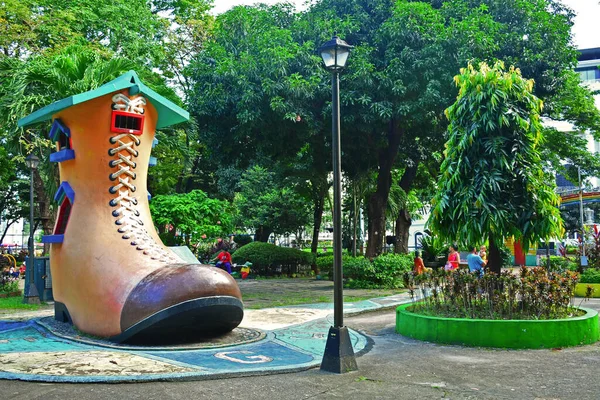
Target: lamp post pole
{"x":31,"y":293}
{"x":583,"y":259}
{"x":338,"y":289}
{"x":339,"y":354}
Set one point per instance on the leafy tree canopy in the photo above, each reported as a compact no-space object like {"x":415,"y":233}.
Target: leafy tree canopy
{"x":193,"y":215}
{"x":269,"y":206}
{"x":492,"y":184}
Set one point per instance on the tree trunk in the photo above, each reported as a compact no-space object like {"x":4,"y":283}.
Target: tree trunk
{"x":494,"y":259}
{"x":403,"y":223}
{"x":377,"y":203}
{"x":8,"y":224}
{"x":262,"y":234}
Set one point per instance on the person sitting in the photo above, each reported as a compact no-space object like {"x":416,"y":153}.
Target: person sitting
{"x":418,"y":263}
{"x":224,"y":261}
{"x":476,"y":263}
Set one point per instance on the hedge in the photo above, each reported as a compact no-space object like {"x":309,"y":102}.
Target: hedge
{"x":590,"y":275}
{"x":384,"y":271}
{"x":269,"y":259}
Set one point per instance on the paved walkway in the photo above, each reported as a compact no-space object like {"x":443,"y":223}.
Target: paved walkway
{"x":293,"y":340}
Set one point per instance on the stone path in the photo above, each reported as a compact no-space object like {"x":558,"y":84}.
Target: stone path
{"x":294,"y":339}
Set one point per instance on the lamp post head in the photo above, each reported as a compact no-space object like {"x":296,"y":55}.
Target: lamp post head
{"x":335,"y":53}
{"x":32,"y":161}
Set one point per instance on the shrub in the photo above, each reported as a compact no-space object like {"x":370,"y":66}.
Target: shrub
{"x":535,"y":294}
{"x":561,"y":264}
{"x":590,"y":275}
{"x":242,"y":240}
{"x":385,"y":271}
{"x":268,"y":259}
{"x":433,"y":247}
{"x":8,"y":284}
{"x":325,"y":263}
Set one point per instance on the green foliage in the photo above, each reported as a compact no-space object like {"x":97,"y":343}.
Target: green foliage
{"x":492,"y":184}
{"x":268,"y":259}
{"x":242,"y":240}
{"x":385,"y":271}
{"x":8,"y":284}
{"x":12,"y":193}
{"x":560,"y":264}
{"x":325,"y":262}
{"x":535,"y":294}
{"x":192,"y":214}
{"x":590,"y":275}
{"x":433,"y":247}
{"x":268,"y":206}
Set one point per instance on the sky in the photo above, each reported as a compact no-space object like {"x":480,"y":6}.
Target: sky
{"x":586,"y":32}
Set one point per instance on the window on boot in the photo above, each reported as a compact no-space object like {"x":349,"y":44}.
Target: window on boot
{"x":124,"y":122}
{"x":63,"y":217}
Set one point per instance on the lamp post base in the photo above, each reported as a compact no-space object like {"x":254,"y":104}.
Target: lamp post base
{"x":31,"y":295}
{"x":339,"y":354}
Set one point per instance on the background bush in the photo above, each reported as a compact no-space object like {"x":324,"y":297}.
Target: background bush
{"x":268,"y":259}
{"x":242,"y":240}
{"x":590,"y":275}
{"x":560,"y":264}
{"x":384,"y":271}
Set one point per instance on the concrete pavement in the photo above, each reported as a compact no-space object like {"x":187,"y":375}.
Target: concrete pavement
{"x":286,"y":339}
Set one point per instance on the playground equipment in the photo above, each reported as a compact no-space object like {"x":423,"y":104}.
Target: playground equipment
{"x":111,"y":274}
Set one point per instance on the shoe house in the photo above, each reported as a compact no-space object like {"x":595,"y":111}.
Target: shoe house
{"x":111,"y":275}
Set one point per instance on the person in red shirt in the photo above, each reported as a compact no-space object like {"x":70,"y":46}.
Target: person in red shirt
{"x":224,"y":261}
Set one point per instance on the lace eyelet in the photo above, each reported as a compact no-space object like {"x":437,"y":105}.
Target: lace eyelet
{"x":134,"y":243}
{"x":112,"y":140}
{"x":112,"y":190}
{"x":118,"y":222}
{"x":126,"y":236}
{"x":112,"y":203}
{"x":115,"y":213}
{"x":111,"y":153}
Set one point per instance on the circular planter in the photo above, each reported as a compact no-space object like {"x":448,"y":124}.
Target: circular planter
{"x":511,"y":334}
{"x":582,"y":287}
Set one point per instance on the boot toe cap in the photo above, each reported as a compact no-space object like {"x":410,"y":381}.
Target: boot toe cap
{"x":183,"y":301}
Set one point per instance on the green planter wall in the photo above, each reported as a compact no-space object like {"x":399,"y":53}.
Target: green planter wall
{"x":581,"y":288}
{"x":512,"y":334}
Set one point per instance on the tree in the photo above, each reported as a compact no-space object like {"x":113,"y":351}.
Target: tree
{"x":258,"y":98}
{"x":12,"y":208}
{"x":492,"y":183}
{"x":269,"y":206}
{"x":189,"y":217}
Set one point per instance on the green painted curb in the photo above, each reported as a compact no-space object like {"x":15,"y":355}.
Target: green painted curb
{"x":581,"y":287}
{"x":511,"y":334}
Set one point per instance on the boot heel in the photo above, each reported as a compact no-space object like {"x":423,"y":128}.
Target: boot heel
{"x":61,"y":313}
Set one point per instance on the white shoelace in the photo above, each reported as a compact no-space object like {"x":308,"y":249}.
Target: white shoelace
{"x":130,"y":225}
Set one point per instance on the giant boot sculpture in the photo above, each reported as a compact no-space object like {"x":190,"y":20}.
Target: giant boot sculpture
{"x":111,"y":275}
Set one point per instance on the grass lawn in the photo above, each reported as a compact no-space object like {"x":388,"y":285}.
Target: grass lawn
{"x":260,"y":300}
{"x":16,"y":303}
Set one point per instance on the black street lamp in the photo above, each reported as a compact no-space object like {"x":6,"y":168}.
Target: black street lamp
{"x":339,"y":354}
{"x":31,"y":292}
